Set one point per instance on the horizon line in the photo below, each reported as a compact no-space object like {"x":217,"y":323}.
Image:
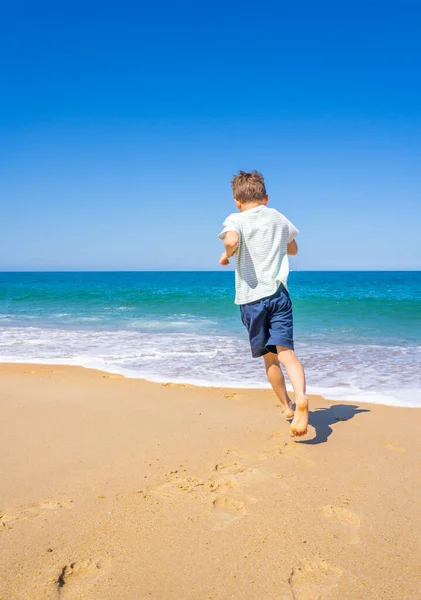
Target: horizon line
{"x":203,"y":271}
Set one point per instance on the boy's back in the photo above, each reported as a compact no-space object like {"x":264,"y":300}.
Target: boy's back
{"x":261,"y":258}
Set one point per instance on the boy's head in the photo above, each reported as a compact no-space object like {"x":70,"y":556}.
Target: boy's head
{"x":249,"y":188}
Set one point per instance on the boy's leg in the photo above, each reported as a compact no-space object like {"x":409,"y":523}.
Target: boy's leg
{"x":297,"y":378}
{"x":277,"y":381}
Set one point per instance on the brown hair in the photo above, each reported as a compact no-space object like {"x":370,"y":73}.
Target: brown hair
{"x":248,"y":187}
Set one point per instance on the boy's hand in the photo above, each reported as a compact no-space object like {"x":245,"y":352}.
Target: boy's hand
{"x":224,"y":260}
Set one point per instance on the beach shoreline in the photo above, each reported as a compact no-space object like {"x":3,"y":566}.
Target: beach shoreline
{"x":115,"y":487}
{"x":362,"y":397}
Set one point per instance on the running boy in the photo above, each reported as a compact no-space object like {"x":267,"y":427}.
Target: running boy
{"x":261,"y":238}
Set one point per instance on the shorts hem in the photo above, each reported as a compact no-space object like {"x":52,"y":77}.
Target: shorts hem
{"x":285,"y":343}
{"x":259,"y":352}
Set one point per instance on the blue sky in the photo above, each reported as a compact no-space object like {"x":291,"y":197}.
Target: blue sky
{"x":121,"y":125}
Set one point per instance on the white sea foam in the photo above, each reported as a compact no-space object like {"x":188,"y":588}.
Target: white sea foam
{"x":407,"y":397}
{"x":89,"y":318}
{"x":381,"y":374}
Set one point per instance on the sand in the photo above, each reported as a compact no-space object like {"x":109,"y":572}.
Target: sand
{"x":115,"y":488}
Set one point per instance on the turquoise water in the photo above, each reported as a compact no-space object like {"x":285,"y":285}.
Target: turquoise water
{"x":357,"y":333}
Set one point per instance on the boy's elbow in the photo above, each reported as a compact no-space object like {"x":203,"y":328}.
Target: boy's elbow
{"x":231,"y":245}
{"x":231,"y":240}
{"x":292,"y":248}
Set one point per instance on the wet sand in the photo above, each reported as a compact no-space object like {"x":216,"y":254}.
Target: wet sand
{"x":114,"y":488}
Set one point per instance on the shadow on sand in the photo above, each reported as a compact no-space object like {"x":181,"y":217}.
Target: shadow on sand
{"x":322,"y":419}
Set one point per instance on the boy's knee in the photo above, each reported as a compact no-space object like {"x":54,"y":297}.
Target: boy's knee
{"x":271,"y":360}
{"x":284,"y":354}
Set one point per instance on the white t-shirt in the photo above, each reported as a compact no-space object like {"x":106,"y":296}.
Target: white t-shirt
{"x":261,"y":257}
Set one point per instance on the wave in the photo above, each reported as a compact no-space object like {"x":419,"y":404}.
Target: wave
{"x":370,"y":373}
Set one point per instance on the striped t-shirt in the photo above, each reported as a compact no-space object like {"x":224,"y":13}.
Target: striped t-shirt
{"x":261,"y":257}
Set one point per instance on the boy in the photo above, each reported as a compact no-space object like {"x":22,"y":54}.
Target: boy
{"x":261,"y":238}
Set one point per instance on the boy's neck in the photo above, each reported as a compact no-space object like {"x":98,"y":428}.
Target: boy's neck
{"x":250,"y":205}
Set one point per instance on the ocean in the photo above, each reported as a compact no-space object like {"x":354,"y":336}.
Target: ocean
{"x":358,"y":334}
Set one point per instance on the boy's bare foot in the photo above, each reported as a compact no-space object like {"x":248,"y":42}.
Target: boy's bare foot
{"x":300,"y":421}
{"x":287,"y":409}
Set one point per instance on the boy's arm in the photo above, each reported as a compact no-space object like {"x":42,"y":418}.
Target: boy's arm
{"x":292,"y":248}
{"x":230,"y":235}
{"x":231,"y":245}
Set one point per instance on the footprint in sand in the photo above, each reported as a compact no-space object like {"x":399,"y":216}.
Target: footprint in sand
{"x":230,"y":467}
{"x":77,"y":579}
{"x":170,"y":384}
{"x":314,"y":580}
{"x":223,"y":477}
{"x":289,"y":450}
{"x":173,"y":482}
{"x":223,"y":484}
{"x":229,"y":505}
{"x":29,"y":511}
{"x":217,"y":486}
{"x":231,"y":395}
{"x":232,"y":475}
{"x":394,"y":446}
{"x":221,"y":480}
{"x":350,"y":520}
{"x":228,"y":510}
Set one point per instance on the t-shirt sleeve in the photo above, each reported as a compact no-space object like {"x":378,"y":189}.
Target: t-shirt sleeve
{"x":292,"y":232}
{"x":230,"y":224}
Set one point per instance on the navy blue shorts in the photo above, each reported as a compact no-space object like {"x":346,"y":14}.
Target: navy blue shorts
{"x":269,"y":322}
